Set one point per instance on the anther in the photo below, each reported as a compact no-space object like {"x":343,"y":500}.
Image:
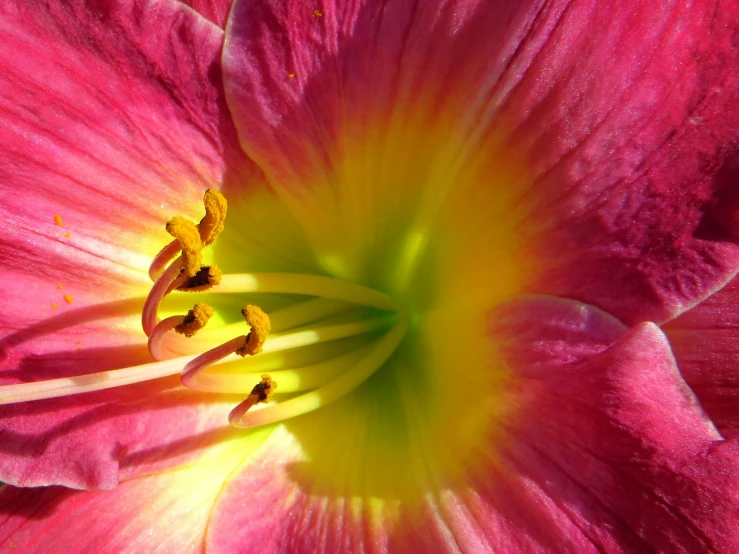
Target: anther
{"x":206,"y":277}
{"x":208,"y":230}
{"x":248,"y":345}
{"x":259,"y":394}
{"x":194,"y":320}
{"x":188,"y":236}
{"x":260,"y":328}
{"x":215,"y":213}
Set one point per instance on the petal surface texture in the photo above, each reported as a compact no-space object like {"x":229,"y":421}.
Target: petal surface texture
{"x":706,"y":345}
{"x":534,"y":186}
{"x":613,"y":120}
{"x":107,"y":130}
{"x":166,"y":512}
{"x":213,"y":10}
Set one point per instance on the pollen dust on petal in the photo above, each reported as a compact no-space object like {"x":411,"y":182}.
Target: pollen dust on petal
{"x":68,"y":298}
{"x":58,"y":220}
{"x":317,"y":13}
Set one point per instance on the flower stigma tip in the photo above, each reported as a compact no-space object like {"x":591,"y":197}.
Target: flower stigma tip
{"x":332,"y":310}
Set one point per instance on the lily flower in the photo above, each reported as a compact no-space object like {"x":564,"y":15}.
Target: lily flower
{"x":368,"y":275}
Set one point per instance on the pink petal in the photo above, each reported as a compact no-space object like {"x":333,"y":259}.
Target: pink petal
{"x":623,"y":114}
{"x":113,"y":119}
{"x":300,"y":78}
{"x":610,"y":454}
{"x":640,"y":132}
{"x":705,"y":341}
{"x":93,"y":441}
{"x":165,"y":512}
{"x":213,"y":10}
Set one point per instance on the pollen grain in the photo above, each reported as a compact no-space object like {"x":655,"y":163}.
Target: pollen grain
{"x":260,"y":328}
{"x":215,"y":214}
{"x":194,"y":320}
{"x":188,"y":236}
{"x":208,"y":276}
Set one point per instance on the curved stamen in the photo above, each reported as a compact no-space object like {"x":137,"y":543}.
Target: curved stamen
{"x":187,"y":325}
{"x":281,"y":320}
{"x":290,"y":380}
{"x":166,"y":283}
{"x":278,"y":343}
{"x":206,"y":359}
{"x":156,"y":346}
{"x":309,"y":285}
{"x":259,"y":394}
{"x":339,"y":387}
{"x":54,"y":388}
{"x":159,"y":264}
{"x":24,"y":392}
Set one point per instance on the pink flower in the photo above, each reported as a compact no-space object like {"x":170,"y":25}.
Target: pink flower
{"x":497,"y":242}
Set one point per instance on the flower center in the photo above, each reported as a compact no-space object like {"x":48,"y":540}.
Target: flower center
{"x":365,"y":325}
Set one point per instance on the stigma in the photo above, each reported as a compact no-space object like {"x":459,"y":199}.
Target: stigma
{"x":318,"y":348}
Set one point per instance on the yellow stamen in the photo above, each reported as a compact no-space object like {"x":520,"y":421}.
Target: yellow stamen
{"x":194,"y":320}
{"x":205,"y":278}
{"x":189,"y":238}
{"x":215,"y":213}
{"x":260,"y":328}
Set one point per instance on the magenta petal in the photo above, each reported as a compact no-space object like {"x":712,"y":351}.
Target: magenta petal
{"x":302,"y":78}
{"x":631,"y":134}
{"x":545,"y":331}
{"x":705,"y":341}
{"x":95,"y":440}
{"x":158,"y":513}
{"x":113,"y":119}
{"x":614,"y":453}
{"x":213,"y":10}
